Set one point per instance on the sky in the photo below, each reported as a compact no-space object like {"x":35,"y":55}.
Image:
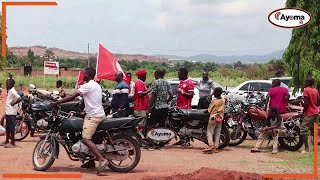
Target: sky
{"x":175,"y":27}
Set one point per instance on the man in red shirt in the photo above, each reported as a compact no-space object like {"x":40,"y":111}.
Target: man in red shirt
{"x":278,"y":97}
{"x":141,"y":98}
{"x":310,"y":111}
{"x":185,"y":94}
{"x":185,"y":90}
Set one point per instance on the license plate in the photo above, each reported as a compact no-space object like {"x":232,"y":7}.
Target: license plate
{"x":230,"y":122}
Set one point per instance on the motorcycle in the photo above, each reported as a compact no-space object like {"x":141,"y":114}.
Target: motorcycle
{"x":33,"y":118}
{"x":35,"y":93}
{"x":185,"y":123}
{"x":233,"y":120}
{"x":111,"y":138}
{"x":291,"y":140}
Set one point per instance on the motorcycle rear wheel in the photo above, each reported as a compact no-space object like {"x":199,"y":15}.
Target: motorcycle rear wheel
{"x":18,"y":130}
{"x":290,"y":144}
{"x":134,"y":149}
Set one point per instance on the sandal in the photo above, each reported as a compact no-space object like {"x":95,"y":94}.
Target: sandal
{"x":102,"y":167}
{"x":9,"y":145}
{"x":3,"y":143}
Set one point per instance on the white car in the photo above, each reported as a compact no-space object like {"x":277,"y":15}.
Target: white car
{"x":241,"y":91}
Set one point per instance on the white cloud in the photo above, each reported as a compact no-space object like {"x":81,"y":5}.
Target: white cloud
{"x":173,"y":14}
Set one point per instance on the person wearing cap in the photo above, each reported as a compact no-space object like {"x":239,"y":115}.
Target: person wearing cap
{"x":141,"y":98}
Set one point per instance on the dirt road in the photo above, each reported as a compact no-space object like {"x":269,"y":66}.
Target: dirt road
{"x":170,"y":161}
{"x":161,"y":162}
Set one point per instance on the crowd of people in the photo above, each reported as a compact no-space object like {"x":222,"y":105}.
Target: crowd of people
{"x":154,"y":100}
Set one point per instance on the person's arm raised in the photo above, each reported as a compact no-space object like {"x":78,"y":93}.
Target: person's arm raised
{"x":66,"y":99}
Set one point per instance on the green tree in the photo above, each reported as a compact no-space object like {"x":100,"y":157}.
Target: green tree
{"x":277,"y":67}
{"x":303,"y":52}
{"x":11,"y":58}
{"x":48,"y":54}
{"x":31,"y":56}
{"x":3,"y":61}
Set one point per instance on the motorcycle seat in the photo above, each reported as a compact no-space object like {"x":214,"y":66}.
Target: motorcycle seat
{"x":289,"y":115}
{"x":194,"y":114}
{"x":295,"y":108}
{"x":75,"y":124}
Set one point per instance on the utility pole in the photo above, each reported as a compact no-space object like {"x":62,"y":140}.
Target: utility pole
{"x":88,"y":55}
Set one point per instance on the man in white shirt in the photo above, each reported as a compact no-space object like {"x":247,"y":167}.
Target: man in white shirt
{"x":11,"y":112}
{"x":92,"y":95}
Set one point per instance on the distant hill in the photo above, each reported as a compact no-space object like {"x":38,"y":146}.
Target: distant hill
{"x":228,"y":59}
{"x":60,"y":53}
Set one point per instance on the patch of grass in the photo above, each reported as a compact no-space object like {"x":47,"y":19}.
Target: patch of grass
{"x":70,"y":82}
{"x":296,"y":159}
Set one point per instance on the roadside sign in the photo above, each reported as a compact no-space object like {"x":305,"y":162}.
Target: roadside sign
{"x":51,"y":67}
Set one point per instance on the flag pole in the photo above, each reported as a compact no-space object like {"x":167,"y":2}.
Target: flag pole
{"x":88,"y":55}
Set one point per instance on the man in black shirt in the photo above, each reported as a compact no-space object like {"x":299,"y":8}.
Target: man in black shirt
{"x":274,"y":127}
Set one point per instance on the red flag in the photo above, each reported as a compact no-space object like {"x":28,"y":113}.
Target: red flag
{"x":80,"y":79}
{"x":107,"y":65}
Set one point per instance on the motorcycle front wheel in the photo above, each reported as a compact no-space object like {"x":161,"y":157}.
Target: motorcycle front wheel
{"x":224,"y":137}
{"x":133,"y":149}
{"x":237,"y":135}
{"x":42,"y":161}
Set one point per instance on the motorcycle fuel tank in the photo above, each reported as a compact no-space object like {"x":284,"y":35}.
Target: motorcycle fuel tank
{"x":257,"y":113}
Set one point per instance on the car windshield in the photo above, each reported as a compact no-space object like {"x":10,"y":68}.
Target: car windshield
{"x":284,"y":85}
{"x":285,"y":81}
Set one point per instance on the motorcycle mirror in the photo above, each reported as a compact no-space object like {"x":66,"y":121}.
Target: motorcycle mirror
{"x":32,"y":86}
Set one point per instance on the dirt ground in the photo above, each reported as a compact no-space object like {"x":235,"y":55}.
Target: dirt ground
{"x":169,"y":163}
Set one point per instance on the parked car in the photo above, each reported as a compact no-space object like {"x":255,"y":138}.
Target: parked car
{"x":241,"y":91}
{"x":285,"y":80}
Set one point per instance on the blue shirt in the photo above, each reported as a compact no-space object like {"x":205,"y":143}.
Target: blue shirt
{"x":120,"y":99}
